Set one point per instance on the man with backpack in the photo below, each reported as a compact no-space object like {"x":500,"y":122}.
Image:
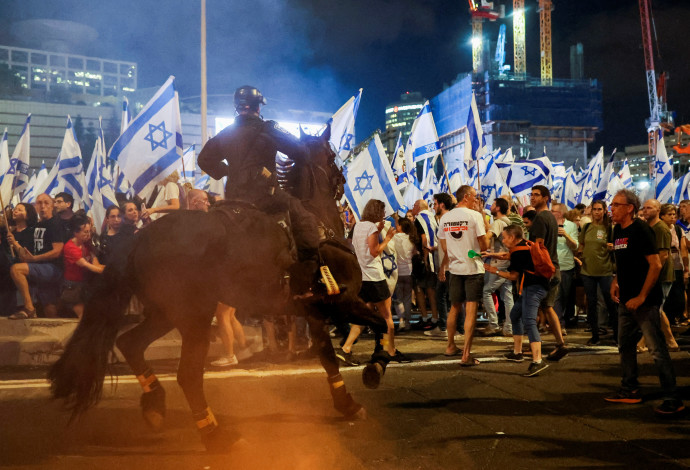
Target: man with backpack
{"x":544,"y":230}
{"x":532,"y":287}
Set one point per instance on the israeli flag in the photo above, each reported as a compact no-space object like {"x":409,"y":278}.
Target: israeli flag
{"x":594,"y":174}
{"x":369,"y":176}
{"x":663,"y":173}
{"x":625,"y":176}
{"x":187,"y":164}
{"x":603,"y":187}
{"x":522,"y":176}
{"x":557,"y":175}
{"x":34,"y":183}
{"x":201,"y":181}
{"x":682,"y":190}
{"x":67,"y":174}
{"x":474,"y":136}
{"x":4,"y":157}
{"x":16,"y":179}
{"x":151,"y":147}
{"x":455,"y":177}
{"x":490,"y":178}
{"x":573,"y":187}
{"x":29,"y":191}
{"x":102,"y":193}
{"x":215,"y":187}
{"x":126,"y":115}
{"x":423,"y":142}
{"x":343,"y":126}
{"x":398,"y":163}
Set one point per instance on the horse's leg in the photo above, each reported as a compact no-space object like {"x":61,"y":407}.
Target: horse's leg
{"x":132,"y":344}
{"x":342,"y":400}
{"x":190,"y":376}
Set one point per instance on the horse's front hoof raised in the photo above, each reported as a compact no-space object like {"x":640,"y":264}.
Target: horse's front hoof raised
{"x":372,"y":374}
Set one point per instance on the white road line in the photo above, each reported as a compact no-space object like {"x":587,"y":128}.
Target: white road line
{"x":316,"y":370}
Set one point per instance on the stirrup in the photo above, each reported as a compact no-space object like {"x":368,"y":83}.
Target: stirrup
{"x":332,"y":287}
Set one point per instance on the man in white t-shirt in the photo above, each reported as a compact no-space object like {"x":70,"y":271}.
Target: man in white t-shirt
{"x":463,"y":230}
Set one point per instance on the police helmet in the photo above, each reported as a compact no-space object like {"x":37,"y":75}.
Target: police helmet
{"x":248,"y":97}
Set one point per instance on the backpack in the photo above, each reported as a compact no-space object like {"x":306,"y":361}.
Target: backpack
{"x":543,"y":266}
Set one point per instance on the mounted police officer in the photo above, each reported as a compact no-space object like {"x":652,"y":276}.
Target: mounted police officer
{"x":249,"y":146}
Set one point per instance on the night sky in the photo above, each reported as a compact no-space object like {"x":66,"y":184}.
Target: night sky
{"x":314,"y":55}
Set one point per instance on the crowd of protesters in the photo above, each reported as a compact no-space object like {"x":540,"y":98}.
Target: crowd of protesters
{"x":527,"y":270}
{"x":538,"y":268}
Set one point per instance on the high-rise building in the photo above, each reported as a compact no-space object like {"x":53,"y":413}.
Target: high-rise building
{"x":401,"y":114}
{"x":51,"y":71}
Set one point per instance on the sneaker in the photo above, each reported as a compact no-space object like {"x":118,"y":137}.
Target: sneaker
{"x":346,"y":358}
{"x":592,"y":341}
{"x":435,"y":332}
{"x":490,"y":331}
{"x":557,"y":354}
{"x":225,"y":361}
{"x":670,"y":407}
{"x":507,"y":333}
{"x":429,"y":325}
{"x":535,"y":368}
{"x":400,"y":357}
{"x":625,"y":396}
{"x":511,"y":356}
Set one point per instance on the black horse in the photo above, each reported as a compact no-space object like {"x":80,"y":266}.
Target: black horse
{"x":183,"y":264}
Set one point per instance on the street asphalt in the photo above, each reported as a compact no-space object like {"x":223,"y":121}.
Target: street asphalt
{"x":428,"y":414}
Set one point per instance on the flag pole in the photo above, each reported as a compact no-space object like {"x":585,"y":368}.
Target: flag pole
{"x":445,"y":172}
{"x":204,"y":130}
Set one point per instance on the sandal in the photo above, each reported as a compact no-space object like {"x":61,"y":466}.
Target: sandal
{"x":471,"y":363}
{"x":22,"y":314}
{"x":454,"y":353}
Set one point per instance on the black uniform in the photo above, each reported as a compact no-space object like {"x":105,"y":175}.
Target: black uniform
{"x":249,"y":146}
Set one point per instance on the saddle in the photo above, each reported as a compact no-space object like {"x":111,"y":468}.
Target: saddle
{"x":238,"y":215}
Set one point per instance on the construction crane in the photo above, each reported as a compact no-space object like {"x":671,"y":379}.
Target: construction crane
{"x":519,"y":38}
{"x":480,"y":10}
{"x":545,"y":8}
{"x":659,"y":117}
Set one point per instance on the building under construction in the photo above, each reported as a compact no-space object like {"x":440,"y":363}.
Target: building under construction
{"x":529,"y":114}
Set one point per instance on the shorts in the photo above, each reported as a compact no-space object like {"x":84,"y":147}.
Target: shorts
{"x":428,"y":281}
{"x":374,"y":291}
{"x":465,"y":288}
{"x":46,"y":279}
{"x":554,"y":284}
{"x":72,"y":292}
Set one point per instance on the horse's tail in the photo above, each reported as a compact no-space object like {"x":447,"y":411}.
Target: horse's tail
{"x":77,"y":377}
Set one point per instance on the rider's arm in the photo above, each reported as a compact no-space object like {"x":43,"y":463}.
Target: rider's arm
{"x":286,"y":142}
{"x":211,"y":160}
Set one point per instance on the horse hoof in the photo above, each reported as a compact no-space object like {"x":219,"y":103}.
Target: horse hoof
{"x":371,"y":375}
{"x":154,"y":419}
{"x":360,"y":415}
{"x":222,"y":441}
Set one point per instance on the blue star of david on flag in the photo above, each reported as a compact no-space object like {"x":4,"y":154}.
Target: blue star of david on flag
{"x":588,"y":193}
{"x":660,"y":167}
{"x":367,"y":186}
{"x":389,"y":264}
{"x":160,"y":143}
{"x":532,"y":172}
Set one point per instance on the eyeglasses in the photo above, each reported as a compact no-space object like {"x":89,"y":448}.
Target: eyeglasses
{"x":618,"y":204}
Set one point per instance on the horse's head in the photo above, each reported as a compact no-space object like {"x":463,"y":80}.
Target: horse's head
{"x":322,"y":162}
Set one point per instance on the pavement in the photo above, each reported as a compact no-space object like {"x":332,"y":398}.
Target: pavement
{"x":427,"y":414}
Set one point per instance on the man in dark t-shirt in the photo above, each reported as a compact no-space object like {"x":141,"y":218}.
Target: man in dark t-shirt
{"x":532,"y":289}
{"x":44,"y":267}
{"x":544,"y":230}
{"x":636,"y":288}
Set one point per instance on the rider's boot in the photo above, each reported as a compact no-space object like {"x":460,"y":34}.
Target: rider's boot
{"x":308,"y":278}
